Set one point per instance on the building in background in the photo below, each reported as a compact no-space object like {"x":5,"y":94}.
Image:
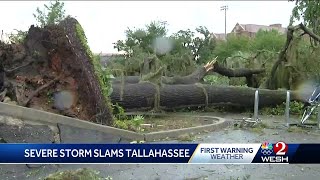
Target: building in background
{"x":250,"y":30}
{"x":219,"y":36}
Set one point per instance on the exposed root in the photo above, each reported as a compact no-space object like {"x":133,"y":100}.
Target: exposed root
{"x":25,"y":103}
{"x":17,"y":68}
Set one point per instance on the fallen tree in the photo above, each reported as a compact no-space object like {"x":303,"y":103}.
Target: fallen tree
{"x":143,"y":96}
{"x":56,"y":58}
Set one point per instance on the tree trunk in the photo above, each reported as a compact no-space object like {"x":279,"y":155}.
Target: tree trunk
{"x":141,"y":96}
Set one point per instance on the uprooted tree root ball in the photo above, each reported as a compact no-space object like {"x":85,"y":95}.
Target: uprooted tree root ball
{"x":52,"y":60}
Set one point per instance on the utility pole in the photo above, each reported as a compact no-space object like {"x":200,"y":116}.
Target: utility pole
{"x":225,"y":8}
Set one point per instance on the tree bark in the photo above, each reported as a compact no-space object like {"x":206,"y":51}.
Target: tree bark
{"x":141,"y":96}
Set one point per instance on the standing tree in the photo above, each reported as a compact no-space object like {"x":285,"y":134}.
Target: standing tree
{"x":141,"y":38}
{"x":178,"y":53}
{"x":309,"y":12}
{"x":52,"y":14}
{"x":203,"y":47}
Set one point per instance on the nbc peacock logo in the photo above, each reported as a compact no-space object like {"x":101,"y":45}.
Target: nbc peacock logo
{"x":266,"y":148}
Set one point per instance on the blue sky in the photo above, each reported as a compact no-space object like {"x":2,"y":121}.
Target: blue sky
{"x":104,"y":22}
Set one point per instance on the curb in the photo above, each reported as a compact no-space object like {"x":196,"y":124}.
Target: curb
{"x":54,"y":119}
{"x":154,"y":136}
{"x":47,"y":118}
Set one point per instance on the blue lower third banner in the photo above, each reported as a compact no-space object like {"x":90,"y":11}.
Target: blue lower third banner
{"x":266,"y":152}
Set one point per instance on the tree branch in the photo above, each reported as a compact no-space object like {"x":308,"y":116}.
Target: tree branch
{"x":309,"y":32}
{"x":241,"y":72}
{"x":282,"y":55}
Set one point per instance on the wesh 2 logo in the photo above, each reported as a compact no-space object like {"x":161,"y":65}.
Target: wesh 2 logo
{"x":274,"y":153}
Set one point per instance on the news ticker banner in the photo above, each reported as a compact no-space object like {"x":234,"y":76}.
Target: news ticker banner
{"x":266,"y":152}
